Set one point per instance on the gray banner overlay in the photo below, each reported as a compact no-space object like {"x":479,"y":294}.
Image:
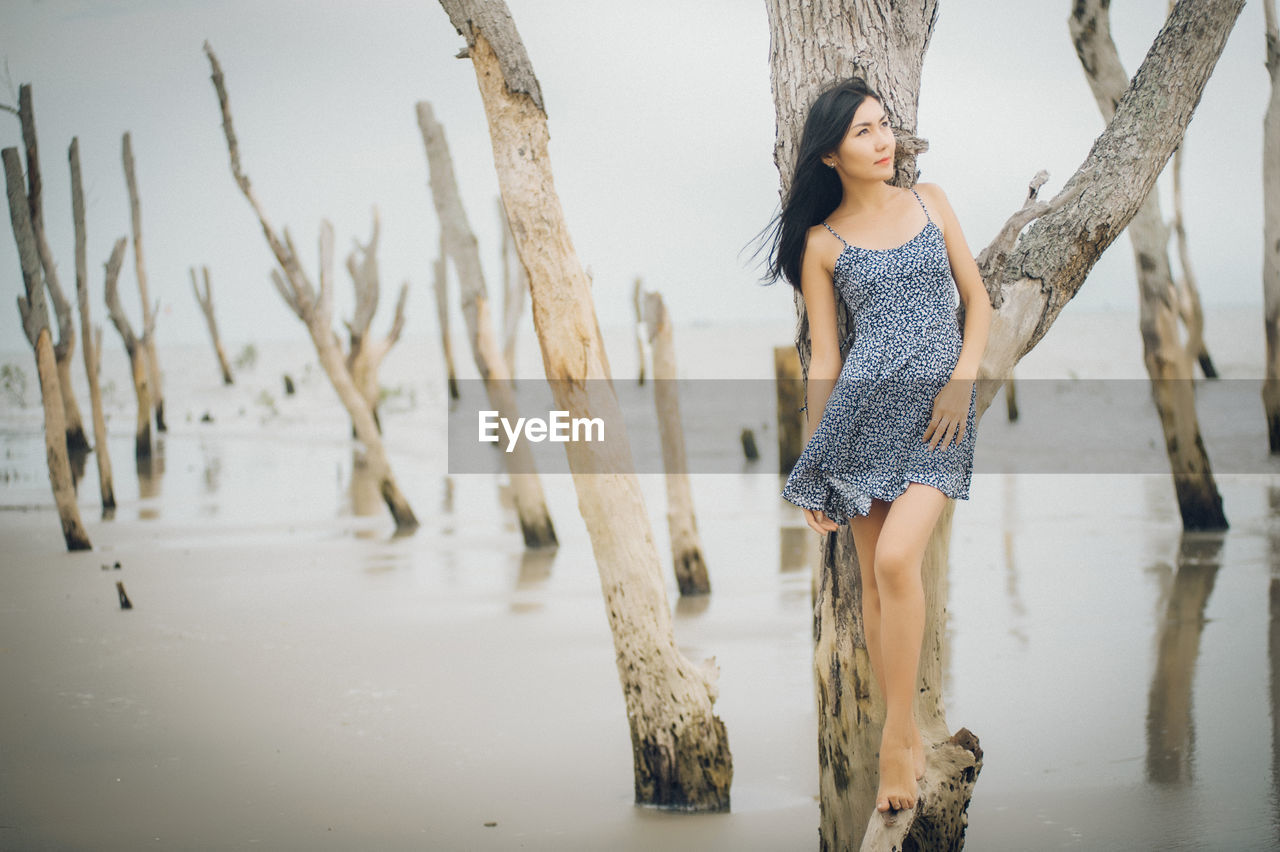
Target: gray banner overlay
{"x":1062,"y":426}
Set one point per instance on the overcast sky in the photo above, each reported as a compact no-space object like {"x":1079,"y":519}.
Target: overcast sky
{"x":662,"y":137}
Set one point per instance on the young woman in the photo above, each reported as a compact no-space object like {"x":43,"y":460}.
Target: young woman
{"x":891,"y":427}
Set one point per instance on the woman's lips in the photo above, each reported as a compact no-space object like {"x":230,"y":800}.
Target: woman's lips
{"x":885,"y":160}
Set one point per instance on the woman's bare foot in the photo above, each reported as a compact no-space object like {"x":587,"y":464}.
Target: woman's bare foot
{"x":898,"y":789}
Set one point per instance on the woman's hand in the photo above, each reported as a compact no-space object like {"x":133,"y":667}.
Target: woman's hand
{"x":818,"y":520}
{"x":950,"y":414}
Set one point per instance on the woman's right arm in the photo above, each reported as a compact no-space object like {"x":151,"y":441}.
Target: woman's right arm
{"x":820,"y":305}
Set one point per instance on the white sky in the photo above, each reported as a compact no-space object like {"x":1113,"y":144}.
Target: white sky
{"x":662,"y":140}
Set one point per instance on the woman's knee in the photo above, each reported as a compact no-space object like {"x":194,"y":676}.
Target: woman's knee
{"x":895,"y":565}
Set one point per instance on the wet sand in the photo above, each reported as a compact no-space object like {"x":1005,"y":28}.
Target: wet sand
{"x":292,"y":676}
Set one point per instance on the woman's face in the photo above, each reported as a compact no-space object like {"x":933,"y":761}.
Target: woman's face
{"x":866,"y":152}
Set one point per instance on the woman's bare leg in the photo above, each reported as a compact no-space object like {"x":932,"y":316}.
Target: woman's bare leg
{"x":899,"y":555}
{"x":866,"y":534}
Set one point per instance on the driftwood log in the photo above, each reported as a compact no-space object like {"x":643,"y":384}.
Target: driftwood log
{"x":1167,"y":359}
{"x":680,"y":749}
{"x":462,"y":248}
{"x":316,"y":312}
{"x":64,"y":350}
{"x":92,"y":344}
{"x":35,"y":322}
{"x":1029,"y":281}
{"x":682,"y":520}
{"x":149,"y":313}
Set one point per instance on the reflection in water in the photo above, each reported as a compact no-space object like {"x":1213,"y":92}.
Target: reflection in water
{"x":150,"y":473}
{"x":1170,"y":721}
{"x":795,"y":548}
{"x":1017,"y":607}
{"x":212,"y":466}
{"x":535,"y":570}
{"x":366,"y":500}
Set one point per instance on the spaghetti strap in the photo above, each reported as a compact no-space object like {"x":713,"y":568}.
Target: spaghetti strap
{"x":926,"y":209}
{"x":832,"y":230}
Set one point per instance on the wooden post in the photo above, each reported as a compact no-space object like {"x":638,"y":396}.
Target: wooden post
{"x":680,"y":750}
{"x":35,"y":322}
{"x":77,"y":444}
{"x":205,"y":300}
{"x":1167,"y":359}
{"x":149,"y":314}
{"x":316,"y":312}
{"x":682,"y":520}
{"x":1031,"y":272}
{"x":461,"y":246}
{"x":92,"y":343}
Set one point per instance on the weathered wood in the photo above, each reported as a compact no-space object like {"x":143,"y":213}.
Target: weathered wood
{"x":439,"y":285}
{"x":92,"y":343}
{"x":637,"y":302}
{"x":133,"y":347}
{"x":316,"y":312}
{"x":682,"y":520}
{"x":515,"y":288}
{"x":680,"y":749}
{"x":149,"y":315}
{"x":815,"y":43}
{"x":64,"y":350}
{"x":1168,"y":360}
{"x":35,"y":322}
{"x":791,"y":400}
{"x":462,"y":248}
{"x":364,"y":354}
{"x":1187,"y":288}
{"x":1271,"y":228}
{"x":205,"y":299}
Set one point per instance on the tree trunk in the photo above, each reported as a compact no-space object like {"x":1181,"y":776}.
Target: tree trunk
{"x":1029,"y":278}
{"x":680,"y":749}
{"x":1271,"y":228}
{"x":1168,"y":360}
{"x":316,"y":312}
{"x":63,"y":352}
{"x":515,"y":286}
{"x":137,"y":355}
{"x":205,"y":300}
{"x":364,"y":357}
{"x":439,"y":283}
{"x":148,"y":312}
{"x":35,"y":322}
{"x":1188,"y":290}
{"x":92,"y":343}
{"x":637,"y":301}
{"x":682,"y":521}
{"x":460,"y":245}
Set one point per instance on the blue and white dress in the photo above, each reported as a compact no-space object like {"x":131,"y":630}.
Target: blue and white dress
{"x":906,"y":340}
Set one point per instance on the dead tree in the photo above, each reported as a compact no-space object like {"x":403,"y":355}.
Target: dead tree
{"x":680,"y":750}
{"x":515,"y":287}
{"x":439,"y":284}
{"x":148,"y":313}
{"x":1271,"y":228}
{"x":1167,"y":358}
{"x":65,"y":348}
{"x":682,"y":520}
{"x":461,"y":246}
{"x":364,"y":355}
{"x":1185,"y":286}
{"x":637,"y":302}
{"x":137,"y":354}
{"x":35,"y":322}
{"x":1029,"y":278}
{"x":92,"y":343}
{"x":205,"y":300}
{"x":316,"y":312}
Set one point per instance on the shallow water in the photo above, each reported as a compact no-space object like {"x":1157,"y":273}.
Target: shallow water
{"x":293,"y":676}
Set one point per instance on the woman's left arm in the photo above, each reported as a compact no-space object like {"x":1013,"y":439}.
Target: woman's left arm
{"x":977,"y":305}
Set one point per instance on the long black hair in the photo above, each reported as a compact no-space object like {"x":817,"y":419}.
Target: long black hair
{"x":815,"y":188}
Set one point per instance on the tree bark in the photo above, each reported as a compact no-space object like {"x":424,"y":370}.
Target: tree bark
{"x":1029,"y":278}
{"x":66,"y":346}
{"x":137,"y":354}
{"x":515,"y":286}
{"x":35,"y":322}
{"x":680,"y":749}
{"x":1271,"y":228}
{"x":1168,"y":360}
{"x":461,"y":246}
{"x":439,"y":284}
{"x":205,"y":300}
{"x":316,"y":312}
{"x":92,"y":343}
{"x":682,"y":521}
{"x":148,"y":311}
